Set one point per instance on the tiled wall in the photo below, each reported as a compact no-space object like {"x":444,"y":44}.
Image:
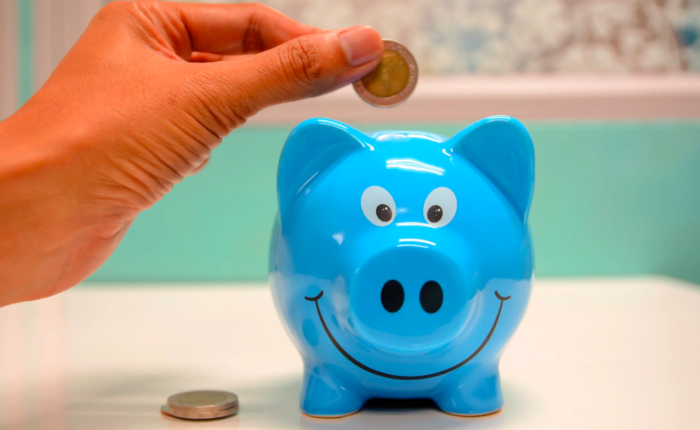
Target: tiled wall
{"x":488,"y":36}
{"x":446,"y":36}
{"x":511,"y":36}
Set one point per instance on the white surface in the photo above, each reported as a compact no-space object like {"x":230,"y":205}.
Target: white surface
{"x":590,"y":354}
{"x":526,"y":97}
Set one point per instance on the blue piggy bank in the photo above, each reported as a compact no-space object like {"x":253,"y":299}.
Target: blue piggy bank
{"x":401,"y":261}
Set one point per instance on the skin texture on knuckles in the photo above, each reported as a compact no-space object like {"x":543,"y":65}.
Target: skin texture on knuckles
{"x":419,"y":304}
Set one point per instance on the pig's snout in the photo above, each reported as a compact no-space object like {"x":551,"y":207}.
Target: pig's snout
{"x":410,"y":297}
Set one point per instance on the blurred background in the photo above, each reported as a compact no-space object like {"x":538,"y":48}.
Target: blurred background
{"x":609,"y":89}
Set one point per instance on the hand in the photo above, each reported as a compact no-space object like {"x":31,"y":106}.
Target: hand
{"x":138,"y":104}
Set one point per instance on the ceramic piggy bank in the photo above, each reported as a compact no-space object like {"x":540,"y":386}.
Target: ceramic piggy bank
{"x":401,"y":262}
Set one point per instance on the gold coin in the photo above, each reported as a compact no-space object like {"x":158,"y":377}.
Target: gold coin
{"x":389,"y":77}
{"x":393,"y":80}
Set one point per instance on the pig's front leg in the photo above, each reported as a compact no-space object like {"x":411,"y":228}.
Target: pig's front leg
{"x":323,"y":395}
{"x":475,"y":393}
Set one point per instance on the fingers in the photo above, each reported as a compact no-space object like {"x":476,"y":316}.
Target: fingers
{"x":224,"y":29}
{"x":306,"y":66}
{"x":199,"y":168}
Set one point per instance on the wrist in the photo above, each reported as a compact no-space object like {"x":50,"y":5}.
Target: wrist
{"x":35,"y":200}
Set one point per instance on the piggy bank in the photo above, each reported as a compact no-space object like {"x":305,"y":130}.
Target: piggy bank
{"x":401,"y":261}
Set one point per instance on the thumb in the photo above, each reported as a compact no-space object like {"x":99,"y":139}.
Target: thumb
{"x":306,"y":66}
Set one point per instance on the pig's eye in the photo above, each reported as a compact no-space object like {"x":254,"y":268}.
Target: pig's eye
{"x":378,"y":206}
{"x":440,"y":207}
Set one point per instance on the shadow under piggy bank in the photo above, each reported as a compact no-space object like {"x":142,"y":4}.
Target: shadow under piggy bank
{"x":421,"y":414}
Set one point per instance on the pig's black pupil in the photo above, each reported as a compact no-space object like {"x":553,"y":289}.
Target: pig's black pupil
{"x":384,"y":213}
{"x":434,"y":213}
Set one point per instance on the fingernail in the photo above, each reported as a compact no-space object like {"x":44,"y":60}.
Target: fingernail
{"x":360,"y":45}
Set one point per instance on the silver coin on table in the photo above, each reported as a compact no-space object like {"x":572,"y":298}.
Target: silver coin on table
{"x":198,"y":414}
{"x":393,"y":80}
{"x":202,"y":401}
{"x":189,"y":415}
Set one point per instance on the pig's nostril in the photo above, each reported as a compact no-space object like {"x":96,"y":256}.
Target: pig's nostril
{"x":392,"y":296}
{"x":431,"y":297}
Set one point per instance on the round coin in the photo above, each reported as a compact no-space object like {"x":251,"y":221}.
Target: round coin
{"x":185,"y":412}
{"x":393,"y":80}
{"x":165,"y":410}
{"x":202,"y":401}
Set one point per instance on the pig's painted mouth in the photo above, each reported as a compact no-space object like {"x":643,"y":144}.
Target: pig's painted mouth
{"x":400,"y":377}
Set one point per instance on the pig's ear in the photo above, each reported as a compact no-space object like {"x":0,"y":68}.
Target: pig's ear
{"x":312,"y":147}
{"x":501,"y":148}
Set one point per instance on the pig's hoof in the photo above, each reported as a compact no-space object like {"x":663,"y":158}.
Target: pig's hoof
{"x":472,"y":399}
{"x":329,"y":417}
{"x":323,"y":397}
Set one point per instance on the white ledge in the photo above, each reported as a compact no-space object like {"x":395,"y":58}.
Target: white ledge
{"x":464,"y":98}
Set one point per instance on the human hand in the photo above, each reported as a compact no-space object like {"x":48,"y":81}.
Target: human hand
{"x":138,"y":104}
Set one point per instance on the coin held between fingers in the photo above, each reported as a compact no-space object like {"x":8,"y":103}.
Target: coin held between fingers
{"x":393,"y":80}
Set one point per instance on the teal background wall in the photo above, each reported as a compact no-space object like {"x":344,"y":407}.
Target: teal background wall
{"x":610,"y":199}
{"x":25,"y":53}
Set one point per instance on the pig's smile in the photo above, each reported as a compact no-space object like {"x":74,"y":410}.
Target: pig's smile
{"x":400,"y":377}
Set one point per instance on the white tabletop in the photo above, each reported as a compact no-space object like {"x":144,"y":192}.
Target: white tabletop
{"x":622,"y":353}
